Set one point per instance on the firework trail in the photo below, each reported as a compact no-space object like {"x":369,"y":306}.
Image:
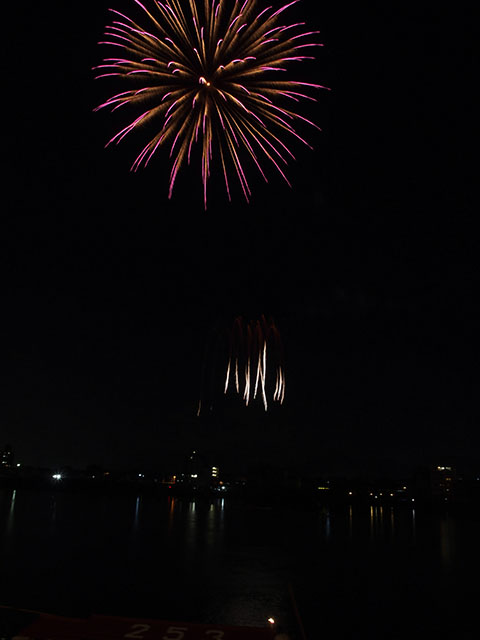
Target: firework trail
{"x":251,"y":362}
{"x":212,"y":72}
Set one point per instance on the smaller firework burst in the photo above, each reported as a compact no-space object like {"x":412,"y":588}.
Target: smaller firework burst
{"x":251,"y":362}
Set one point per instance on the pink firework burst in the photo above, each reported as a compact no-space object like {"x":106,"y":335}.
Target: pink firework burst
{"x":213,"y":73}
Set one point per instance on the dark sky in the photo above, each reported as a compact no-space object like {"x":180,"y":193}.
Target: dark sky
{"x":369,"y":264}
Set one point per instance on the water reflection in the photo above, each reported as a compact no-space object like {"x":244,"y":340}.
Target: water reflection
{"x":376,"y":522}
{"x":388,"y":523}
{"x":211,"y":525}
{"x":215,"y":522}
{"x":137,"y":514}
{"x":196,"y":530}
{"x":53,"y":514}
{"x":447,"y":541}
{"x":325,"y":523}
{"x":171,"y":513}
{"x":217,"y":560}
{"x":191,"y":526}
{"x":11,"y":515}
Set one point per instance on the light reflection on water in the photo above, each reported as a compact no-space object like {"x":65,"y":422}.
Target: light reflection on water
{"x":447,"y":541}
{"x":191,"y":522}
{"x":171,"y":512}
{"x":10,"y":519}
{"x":137,"y":513}
{"x":9,"y":528}
{"x":187,"y":516}
{"x":135,"y":555}
{"x":377,"y":522}
{"x":325,"y":523}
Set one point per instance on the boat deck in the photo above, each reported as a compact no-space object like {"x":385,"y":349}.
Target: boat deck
{"x":18,"y":624}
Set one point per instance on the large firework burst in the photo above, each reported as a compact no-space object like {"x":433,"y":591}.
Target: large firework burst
{"x":250,"y":360}
{"x":214,"y":70}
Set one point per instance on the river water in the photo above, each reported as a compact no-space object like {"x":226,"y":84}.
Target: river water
{"x":348,"y":572}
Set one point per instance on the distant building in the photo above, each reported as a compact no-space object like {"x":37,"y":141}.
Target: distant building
{"x":436,"y":483}
{"x":198,"y":473}
{"x":443,"y":482}
{"x":7,"y":457}
{"x":195,"y":467}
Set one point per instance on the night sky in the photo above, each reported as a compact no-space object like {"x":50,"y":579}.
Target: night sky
{"x":369,"y":264}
